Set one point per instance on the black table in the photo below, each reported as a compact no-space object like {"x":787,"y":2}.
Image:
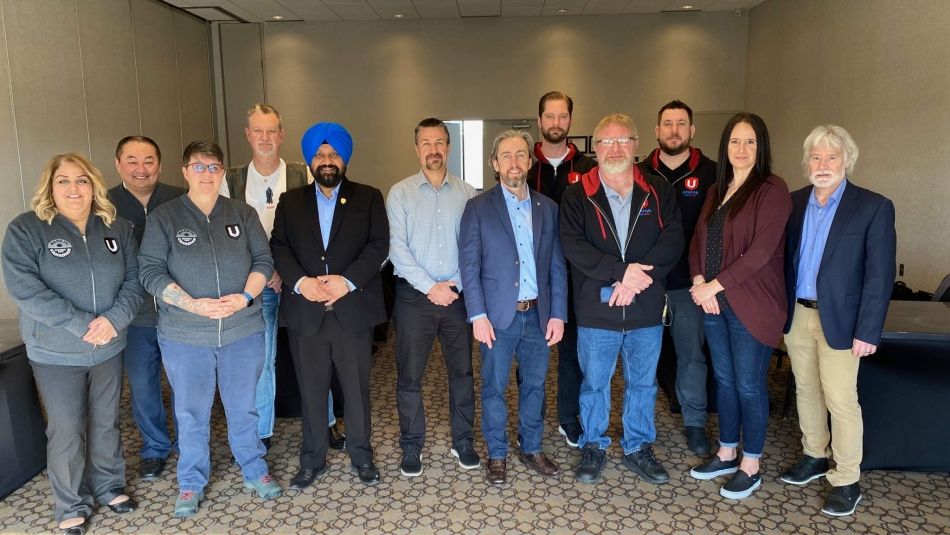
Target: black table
{"x":22,"y":429}
{"x":904,"y":390}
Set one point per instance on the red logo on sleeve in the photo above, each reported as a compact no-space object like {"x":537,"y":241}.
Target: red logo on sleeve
{"x":691,"y":183}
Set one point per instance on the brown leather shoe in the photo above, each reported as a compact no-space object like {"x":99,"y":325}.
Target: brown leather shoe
{"x":496,"y":471}
{"x":539,"y":463}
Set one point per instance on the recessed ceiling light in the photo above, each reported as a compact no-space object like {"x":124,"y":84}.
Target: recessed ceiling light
{"x":277,"y":17}
{"x":688,"y":7}
{"x":398,"y":15}
{"x":562,"y":10}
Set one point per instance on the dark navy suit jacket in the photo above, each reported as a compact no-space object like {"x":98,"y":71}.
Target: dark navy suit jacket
{"x":489,"y":265}
{"x":856,"y":273}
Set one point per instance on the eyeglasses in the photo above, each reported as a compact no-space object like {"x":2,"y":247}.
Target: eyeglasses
{"x":609,"y":141}
{"x":213,"y":168}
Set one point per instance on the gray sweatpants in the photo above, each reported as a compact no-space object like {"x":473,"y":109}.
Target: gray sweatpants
{"x":83,"y":449}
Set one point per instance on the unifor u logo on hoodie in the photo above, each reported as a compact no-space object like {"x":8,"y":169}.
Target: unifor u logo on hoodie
{"x":234,"y":231}
{"x":112,"y":245}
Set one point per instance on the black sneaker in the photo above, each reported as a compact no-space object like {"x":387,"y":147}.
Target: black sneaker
{"x":571,"y":433}
{"x":645,"y":465}
{"x":805,"y":470}
{"x":714,"y":467}
{"x":696,"y":440}
{"x":591,"y":465}
{"x":843,"y":500}
{"x":411,"y":465}
{"x":740,"y":486}
{"x":467,"y":457}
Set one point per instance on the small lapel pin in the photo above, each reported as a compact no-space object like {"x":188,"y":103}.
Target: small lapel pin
{"x":342,"y":200}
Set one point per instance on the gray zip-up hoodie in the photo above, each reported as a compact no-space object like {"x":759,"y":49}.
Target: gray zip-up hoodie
{"x":61,"y":280}
{"x":128,"y":207}
{"x":208,"y":256}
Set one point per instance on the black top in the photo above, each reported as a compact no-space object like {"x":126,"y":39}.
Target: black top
{"x":714,"y":250}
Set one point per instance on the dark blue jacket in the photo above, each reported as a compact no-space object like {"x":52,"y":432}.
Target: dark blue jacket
{"x":489,"y":264}
{"x":857,"y":270}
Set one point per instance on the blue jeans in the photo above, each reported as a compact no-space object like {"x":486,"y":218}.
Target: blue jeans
{"x":597,"y":353}
{"x":740,"y":364}
{"x":687,"y":333}
{"x":193,"y":372}
{"x":267,"y":385}
{"x":525,"y":339}
{"x":143,"y":366}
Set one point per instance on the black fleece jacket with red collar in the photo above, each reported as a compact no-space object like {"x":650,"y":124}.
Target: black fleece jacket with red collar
{"x":591,"y":244}
{"x":691,"y":181}
{"x":551,"y":181}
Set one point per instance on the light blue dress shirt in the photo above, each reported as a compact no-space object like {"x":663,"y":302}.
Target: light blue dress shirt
{"x":815,"y":229}
{"x":325,"y":208}
{"x":424,"y":229}
{"x":620,"y":207}
{"x":520,"y":214}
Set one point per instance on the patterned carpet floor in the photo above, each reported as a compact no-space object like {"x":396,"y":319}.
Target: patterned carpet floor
{"x":447,"y":499}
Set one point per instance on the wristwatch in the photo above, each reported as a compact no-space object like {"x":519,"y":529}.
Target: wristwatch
{"x":249,"y":297}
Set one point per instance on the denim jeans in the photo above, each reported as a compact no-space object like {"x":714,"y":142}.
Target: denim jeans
{"x":194,"y":371}
{"x":524,"y":339}
{"x":740,"y":364}
{"x":143,"y":367}
{"x":267,"y":385}
{"x":597,"y":353}
{"x":687,"y":333}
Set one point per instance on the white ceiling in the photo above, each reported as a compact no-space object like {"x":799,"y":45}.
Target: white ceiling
{"x":338,"y":10}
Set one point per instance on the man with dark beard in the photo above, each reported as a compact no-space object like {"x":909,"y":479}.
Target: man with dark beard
{"x":516,"y":295}
{"x":691,"y":174}
{"x":424,"y":211}
{"x":560,"y":164}
{"x":329,"y":241}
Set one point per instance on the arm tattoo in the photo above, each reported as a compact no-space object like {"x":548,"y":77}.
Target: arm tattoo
{"x":174,"y":295}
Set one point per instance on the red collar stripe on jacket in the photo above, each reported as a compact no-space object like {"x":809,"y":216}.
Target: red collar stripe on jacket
{"x":591,"y":183}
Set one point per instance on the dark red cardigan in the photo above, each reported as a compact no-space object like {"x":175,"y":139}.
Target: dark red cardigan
{"x":753,"y":246}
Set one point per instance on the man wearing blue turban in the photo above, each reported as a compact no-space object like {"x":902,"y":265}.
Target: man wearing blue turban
{"x":329,"y":240}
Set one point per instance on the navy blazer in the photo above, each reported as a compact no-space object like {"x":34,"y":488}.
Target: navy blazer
{"x":488,"y":259}
{"x":856,"y":273}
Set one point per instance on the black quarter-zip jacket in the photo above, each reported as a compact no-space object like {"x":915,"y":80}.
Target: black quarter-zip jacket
{"x":591,"y":244}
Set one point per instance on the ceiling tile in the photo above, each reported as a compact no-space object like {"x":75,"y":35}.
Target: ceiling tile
{"x":480,"y":8}
{"x":436,"y":9}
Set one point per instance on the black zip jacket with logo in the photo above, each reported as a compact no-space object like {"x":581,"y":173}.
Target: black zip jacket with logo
{"x":553,"y":182}
{"x":590,"y":242}
{"x":691,"y":181}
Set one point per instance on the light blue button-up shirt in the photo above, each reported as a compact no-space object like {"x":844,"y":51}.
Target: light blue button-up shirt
{"x":520,"y":214}
{"x":620,"y":208}
{"x":815,"y":230}
{"x":325,"y":208}
{"x":424,"y":229}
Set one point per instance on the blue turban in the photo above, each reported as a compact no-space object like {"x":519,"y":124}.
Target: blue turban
{"x":331,"y":133}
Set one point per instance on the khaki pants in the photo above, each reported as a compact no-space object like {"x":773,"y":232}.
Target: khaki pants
{"x":826,"y":380}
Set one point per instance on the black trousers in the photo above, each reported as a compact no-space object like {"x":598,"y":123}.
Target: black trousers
{"x":418,"y":321}
{"x":316,"y":358}
{"x":569,"y":377}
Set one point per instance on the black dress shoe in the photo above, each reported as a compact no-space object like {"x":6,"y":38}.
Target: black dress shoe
{"x":368,"y":473}
{"x":696,"y":440}
{"x":151,"y":469}
{"x":306,"y":476}
{"x":805,"y":470}
{"x":123,"y":507}
{"x":336,"y":439}
{"x":843,"y":500}
{"x":77,"y":530}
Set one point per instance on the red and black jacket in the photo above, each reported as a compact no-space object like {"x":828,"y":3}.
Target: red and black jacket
{"x":691,"y":181}
{"x":592,"y":246}
{"x":551,"y":182}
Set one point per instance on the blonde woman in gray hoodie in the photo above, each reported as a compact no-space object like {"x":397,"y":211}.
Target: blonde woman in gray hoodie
{"x":70,"y":267}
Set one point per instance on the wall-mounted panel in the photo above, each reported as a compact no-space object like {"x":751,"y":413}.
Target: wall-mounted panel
{"x":105,"y":32}
{"x":194,"y":78}
{"x":47,"y":81}
{"x":243,"y":86}
{"x":157,"y":65}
